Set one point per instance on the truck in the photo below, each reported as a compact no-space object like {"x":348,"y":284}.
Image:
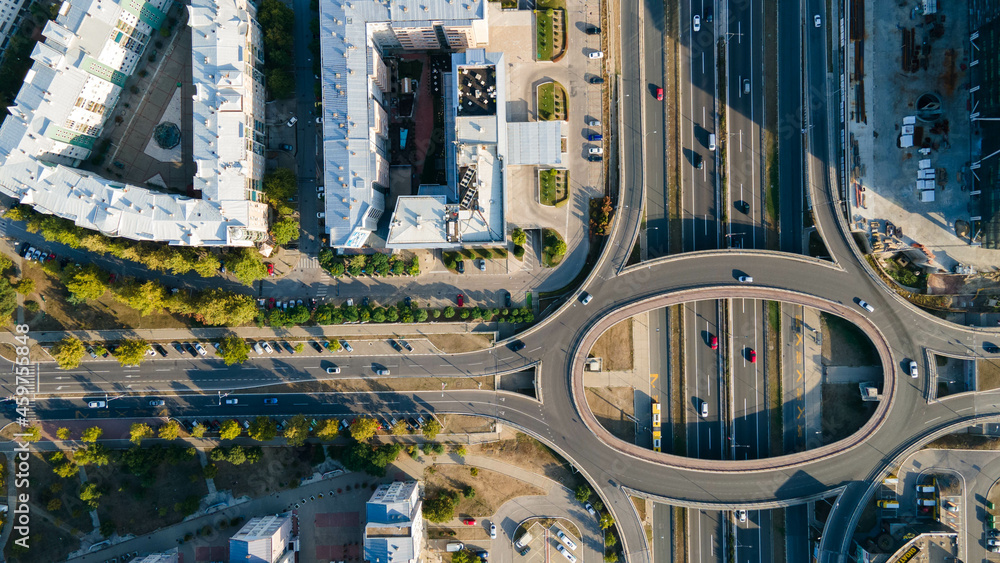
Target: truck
{"x":454,"y":546}
{"x":925,"y":488}
{"x":888,"y":504}
{"x":926,"y":502}
{"x":523,"y":540}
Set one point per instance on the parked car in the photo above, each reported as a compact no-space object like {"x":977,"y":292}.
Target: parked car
{"x":596,"y":54}
{"x":179,"y":348}
{"x":270,"y":268}
{"x":595,"y":80}
{"x":287,"y":147}
{"x":461,"y":300}
{"x":595,"y":150}
{"x":595,"y":137}
{"x":347,"y":345}
{"x":593,"y":30}
{"x":469,"y":521}
{"x":482,"y":265}
{"x":593,"y":122}
{"x":201,"y":349}
{"x":258,"y":348}
{"x":292,"y":121}
{"x":267,"y":347}
{"x":493,"y":531}
{"x":595,"y":158}
{"x":460,"y":266}
{"x":395,"y":345}
{"x":566,"y":539}
{"x":406,"y":345}
{"x":90,"y":350}
{"x":506,"y":299}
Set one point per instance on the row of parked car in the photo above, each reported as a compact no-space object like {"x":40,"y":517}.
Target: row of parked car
{"x":33,"y":254}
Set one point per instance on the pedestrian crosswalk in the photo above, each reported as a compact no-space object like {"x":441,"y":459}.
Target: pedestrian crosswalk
{"x":325,"y":282}
{"x":308,"y":263}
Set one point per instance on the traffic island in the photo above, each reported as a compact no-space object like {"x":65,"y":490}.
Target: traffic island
{"x":553,"y":187}
{"x":553,"y":248}
{"x":553,"y":103}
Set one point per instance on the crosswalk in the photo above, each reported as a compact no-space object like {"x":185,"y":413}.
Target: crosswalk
{"x":308,"y":263}
{"x":325,"y":282}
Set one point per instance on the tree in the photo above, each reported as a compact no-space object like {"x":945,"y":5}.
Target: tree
{"x":328,"y":429}
{"x":299,"y":348}
{"x":611,"y":557}
{"x":92,"y":434}
{"x":461,"y":451}
{"x":363,"y":428}
{"x":169,"y":431}
{"x":610,"y":540}
{"x":432,"y":428}
{"x":132,"y":351}
{"x":230,"y":430}
{"x":441,"y":508}
{"x":139,"y":432}
{"x":262,"y":429}
{"x":222,"y":308}
{"x":449,"y":312}
{"x":280,"y":84}
{"x":210,"y":471}
{"x":519,"y":237}
{"x":297,"y":431}
{"x":53,"y":505}
{"x":85,"y":283}
{"x":583,"y":493}
{"x":236,"y":455}
{"x":469,"y":492}
{"x":400,"y":429}
{"x":68,"y":352}
{"x":285,"y":230}
{"x":198,"y":430}
{"x":31,"y":434}
{"x":66,"y":469}
{"x":465,"y":556}
{"x":89,"y":494}
{"x":235,"y":350}
{"x":8,"y":299}
{"x":62,"y":433}
{"x":247,"y":265}
{"x":26,"y":286}
{"x":606,"y":521}
{"x":94,"y":454}
{"x":147,"y":297}
{"x":280,"y":185}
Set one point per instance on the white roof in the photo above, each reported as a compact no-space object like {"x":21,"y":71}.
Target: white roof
{"x":535,"y":143}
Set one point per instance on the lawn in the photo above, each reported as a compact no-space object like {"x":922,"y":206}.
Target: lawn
{"x":552,"y":102}
{"x":553,"y":249}
{"x":615,"y":347}
{"x":845,"y":344}
{"x":553,"y":187}
{"x":843,"y":411}
{"x":543,"y":36}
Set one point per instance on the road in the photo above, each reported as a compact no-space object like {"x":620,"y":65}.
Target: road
{"x":750,"y":415}
{"x":702,"y":375}
{"x":790,"y":156}
{"x":306,"y":130}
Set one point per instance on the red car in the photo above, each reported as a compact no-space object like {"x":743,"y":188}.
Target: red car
{"x":753,"y":356}
{"x":270,"y":268}
{"x":469,"y":521}
{"x":713,"y":341}
{"x":461,"y":300}
{"x":659,"y":94}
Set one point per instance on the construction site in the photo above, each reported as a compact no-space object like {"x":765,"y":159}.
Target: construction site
{"x":915,"y":184}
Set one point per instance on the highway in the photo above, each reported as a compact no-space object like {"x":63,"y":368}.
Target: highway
{"x":750,"y":417}
{"x":703,"y":375}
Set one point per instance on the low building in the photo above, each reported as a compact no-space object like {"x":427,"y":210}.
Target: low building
{"x":165,"y":557}
{"x":394,"y":524}
{"x":265,"y":539}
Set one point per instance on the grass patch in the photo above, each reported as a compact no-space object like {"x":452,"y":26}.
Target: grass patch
{"x":677,"y":411}
{"x":278,"y":468}
{"x":845,"y":344}
{"x":988,"y":375}
{"x":553,"y":187}
{"x":492,"y":489}
{"x":553,"y":248}
{"x":615,"y":347}
{"x":543,"y":34}
{"x":770,"y":138}
{"x":843,"y":411}
{"x":964,"y":442}
{"x":552,"y":102}
{"x":906,"y":276}
{"x":927,"y":302}
{"x":774,"y":403}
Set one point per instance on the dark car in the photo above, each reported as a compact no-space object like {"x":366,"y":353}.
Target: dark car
{"x":596,"y":80}
{"x":288,"y":148}
{"x":595,"y":158}
{"x":407,"y":302}
{"x":516,"y":346}
{"x":364,"y":302}
{"x":460,"y":266}
{"x":317,"y":346}
{"x":271,"y":401}
{"x":698,"y":162}
{"x":178,"y":347}
{"x":395,"y":345}
{"x":506,"y":299}
{"x":160,"y":349}
{"x":593,"y":30}
{"x":190,"y":348}
{"x":595,"y":137}
{"x":743,"y":206}
{"x":406,"y":345}
{"x":991,"y":348}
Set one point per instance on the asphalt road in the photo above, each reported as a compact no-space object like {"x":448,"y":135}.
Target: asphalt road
{"x":790,"y":161}
{"x":654,"y":130}
{"x":706,"y":531}
{"x":703,"y":376}
{"x":749,"y":415}
{"x":306,"y":130}
{"x":663,"y":539}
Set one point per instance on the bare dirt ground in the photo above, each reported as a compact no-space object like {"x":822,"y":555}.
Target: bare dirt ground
{"x":527,"y":453}
{"x":379,"y":384}
{"x":964,"y":442}
{"x":461,"y":424}
{"x":843,"y":411}
{"x":611,"y":405}
{"x":987,"y":375}
{"x":492,"y":488}
{"x":615,"y":346}
{"x":457,"y":343}
{"x":276,"y":470}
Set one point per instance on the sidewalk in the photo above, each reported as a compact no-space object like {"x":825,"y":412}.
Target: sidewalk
{"x":812,"y":346}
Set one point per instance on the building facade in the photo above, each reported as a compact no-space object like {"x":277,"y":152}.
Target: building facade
{"x":394,"y":524}
{"x":262,"y":540}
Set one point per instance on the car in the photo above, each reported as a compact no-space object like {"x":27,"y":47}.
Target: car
{"x":292,"y":121}
{"x":991,"y":348}
{"x":406,"y":345}
{"x":333,"y":370}
{"x":160,"y":349}
{"x":595,"y":80}
{"x":746,"y":279}
{"x":287,"y":147}
{"x":864,"y":305}
{"x":697,"y":23}
{"x":590,"y":509}
{"x":595,"y":150}
{"x":595,"y":137}
{"x":493,"y":531}
{"x":267,"y":347}
{"x":482,"y":265}
{"x":179,"y":348}
{"x":741,"y":515}
{"x":752,"y":356}
{"x":595,"y":158}
{"x":596,"y":54}
{"x":270,"y":268}
{"x":566,"y":539}
{"x":35,"y":255}
{"x":346,"y":345}
{"x":460,"y":266}
{"x":585,"y":298}
{"x":743,"y":206}
{"x":469,"y":521}
{"x":201,"y":349}
{"x":524,"y":552}
{"x":656,"y":444}
{"x":704,"y":409}
{"x":232,"y":401}
{"x":993,"y":532}
{"x":156,"y":403}
{"x":395,"y":345}
{"x":112,"y":279}
{"x":271,"y":401}
{"x":90,"y":350}
{"x":258,"y":348}
{"x":993,"y":543}
{"x":461,"y":300}
{"x":593,"y":123}
{"x":817,"y":21}
{"x":593,"y":30}
{"x":659,"y":94}
{"x":913,"y":369}
{"x":713,"y":341}
{"x":746,"y":85}
{"x":699,"y":163}
{"x":97,"y":404}
{"x":408,"y":302}
{"x":151,"y":352}
{"x":320,"y":214}
{"x":191,"y":349}
{"x":566,"y":554}
{"x":381,"y":371}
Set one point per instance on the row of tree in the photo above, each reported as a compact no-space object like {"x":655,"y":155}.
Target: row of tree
{"x":277,"y":20}
{"x":331,"y":314}
{"x":377,"y":264}
{"x":279,"y":187}
{"x":246,"y":264}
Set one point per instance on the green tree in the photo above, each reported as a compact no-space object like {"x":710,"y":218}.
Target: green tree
{"x":583,"y":493}
{"x":221,"y":308}
{"x":93,"y":454}
{"x":363,"y":428}
{"x":432,"y":429}
{"x":280,"y":84}
{"x":441,"y":508}
{"x":610,"y":540}
{"x":465,"y":556}
{"x":26,"y":286}
{"x":606,"y":521}
{"x":147,"y":297}
{"x":92,"y":434}
{"x":139,"y":431}
{"x":68,"y":352}
{"x":519,"y":237}
{"x":299,"y":348}
{"x":62,"y":433}
{"x":53,"y":505}
{"x":169,"y":431}
{"x":31,"y":434}
{"x":400,"y":429}
{"x":132,"y":351}
{"x":236,"y":455}
{"x":297,"y":431}
{"x":611,"y":557}
{"x":198,"y":430}
{"x":90,"y":494}
{"x":235,"y":350}
{"x":285,"y":230}
{"x":85,"y":283}
{"x":469,"y":492}
{"x":372,"y":459}
{"x":328,"y":429}
{"x":263,"y":429}
{"x":67,"y":469}
{"x":246,"y":265}
{"x":210,"y":471}
{"x":280,"y":185}
{"x":8,"y":298}
{"x":461,"y":451}
{"x":230,"y":430}
{"x":449,"y":312}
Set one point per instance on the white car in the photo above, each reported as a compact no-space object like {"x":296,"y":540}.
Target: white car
{"x":382,"y":371}
{"x":267,"y":347}
{"x":913,"y":369}
{"x":741,"y":515}
{"x":746,"y":279}
{"x":817,"y":20}
{"x":596,"y":54}
{"x":232,"y":401}
{"x":320,"y":214}
{"x":697,"y":23}
{"x":566,"y":554}
{"x":292,"y":121}
{"x":150,"y":351}
{"x":157,"y":403}
{"x":565,"y":539}
{"x":590,"y":509}
{"x":493,"y":527}
{"x":864,"y":305}
{"x":586,"y":298}
{"x":704,"y":409}
{"x":333,"y":370}
{"x":201,"y":349}
{"x":97,"y":404}
{"x":594,"y":123}
{"x":347,"y":345}
{"x":595,"y":150}
{"x":257,"y":348}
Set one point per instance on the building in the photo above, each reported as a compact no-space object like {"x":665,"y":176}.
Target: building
{"x":265,"y":539}
{"x":69,"y":94}
{"x":10,"y":14}
{"x":984,"y":91}
{"x":166,"y":557}
{"x":394,"y":525}
{"x":354,"y":39}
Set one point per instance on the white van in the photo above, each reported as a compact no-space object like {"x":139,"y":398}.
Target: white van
{"x":711,"y":142}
